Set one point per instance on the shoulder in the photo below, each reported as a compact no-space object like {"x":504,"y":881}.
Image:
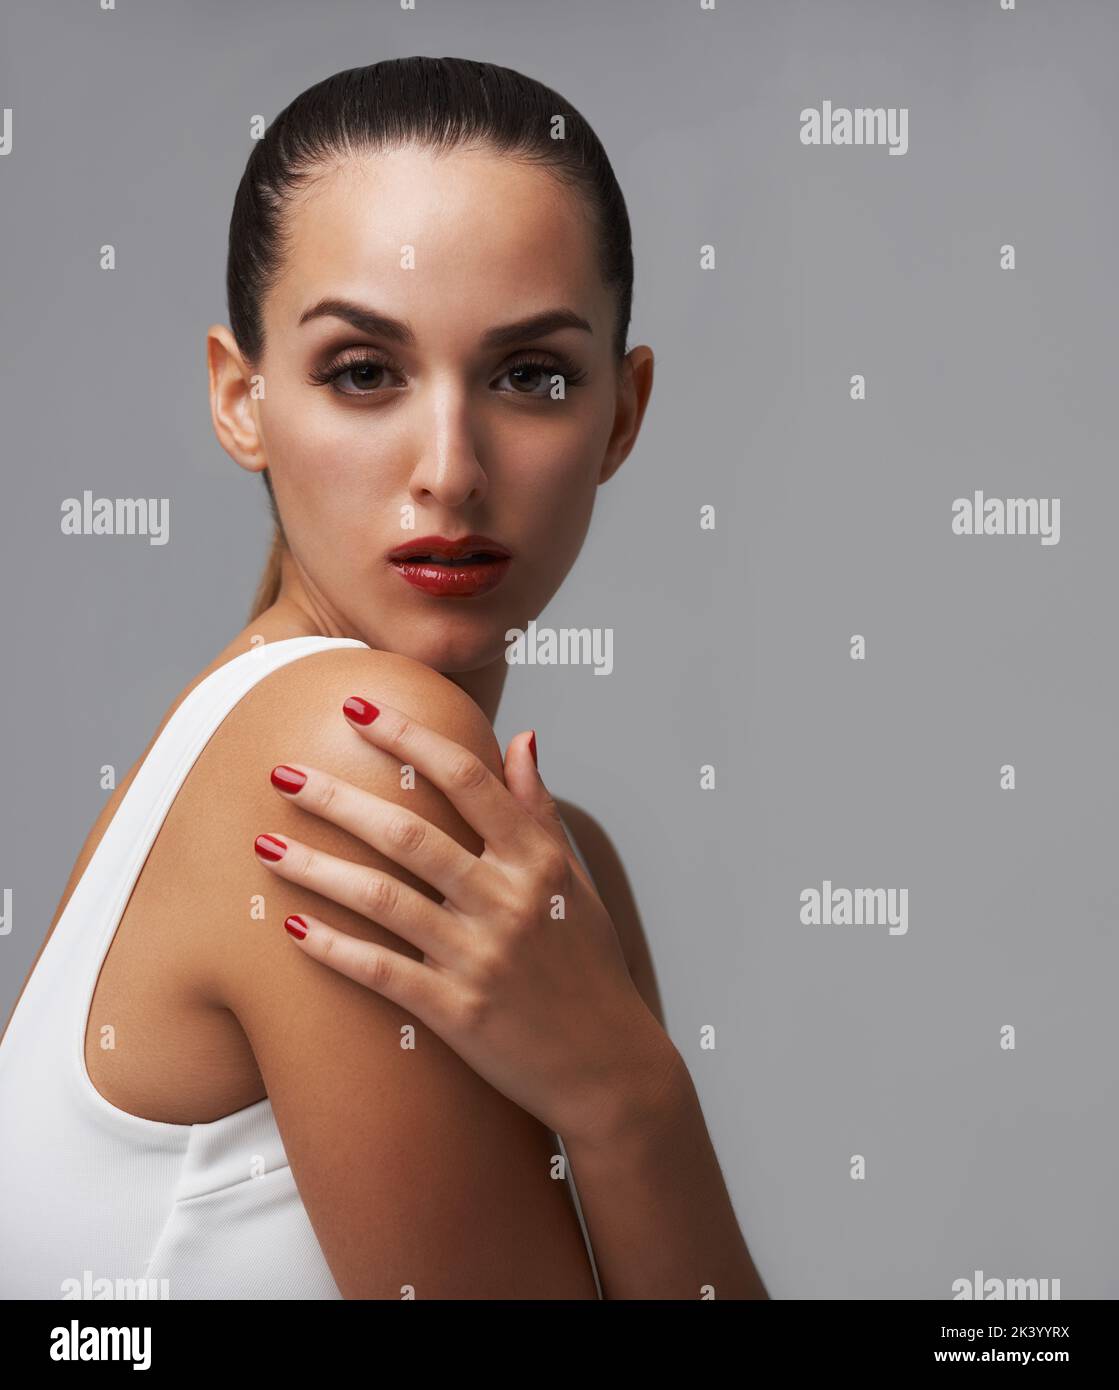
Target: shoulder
{"x":293,"y":714}
{"x":304,"y":698}
{"x":614,"y":889}
{"x":366,"y":1096}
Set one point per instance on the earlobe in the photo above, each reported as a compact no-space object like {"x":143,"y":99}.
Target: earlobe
{"x":232,"y":406}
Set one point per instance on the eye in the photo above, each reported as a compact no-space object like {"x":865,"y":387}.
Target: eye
{"x":364,"y":371}
{"x":535,"y":370}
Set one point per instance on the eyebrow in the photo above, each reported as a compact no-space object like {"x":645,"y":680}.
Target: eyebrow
{"x":379,"y":325}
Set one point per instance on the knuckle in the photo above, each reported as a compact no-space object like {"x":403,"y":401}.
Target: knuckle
{"x":488,"y":964}
{"x":553,"y":871}
{"x":379,"y":970}
{"x":554,"y":864}
{"x":406,"y":832}
{"x":526,"y":911}
{"x":327,"y":794}
{"x":473,"y":1009}
{"x":528,"y":903}
{"x":403,"y":728}
{"x":531,"y":909}
{"x":380,"y":896}
{"x":467,"y":772}
{"x":302,"y":862}
{"x":510,"y":907}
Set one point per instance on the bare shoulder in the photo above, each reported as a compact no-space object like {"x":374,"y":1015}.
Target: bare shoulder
{"x":414,"y":1171}
{"x":294,"y":715}
{"x":303,"y":699}
{"x":616,"y":893}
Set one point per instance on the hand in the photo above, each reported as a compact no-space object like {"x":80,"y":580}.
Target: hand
{"x":523,"y":975}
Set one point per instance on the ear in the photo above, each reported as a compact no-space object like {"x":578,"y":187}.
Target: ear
{"x":234,"y":390}
{"x":635,"y":384}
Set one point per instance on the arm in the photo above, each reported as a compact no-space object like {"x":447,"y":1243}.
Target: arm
{"x":413,"y":1170}
{"x":658,"y":1213}
{"x":656,"y":1206}
{"x":614,"y":889}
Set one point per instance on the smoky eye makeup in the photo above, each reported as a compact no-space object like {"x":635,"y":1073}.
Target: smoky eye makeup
{"x":366,"y":367}
{"x":548,"y":365}
{"x":352,"y":360}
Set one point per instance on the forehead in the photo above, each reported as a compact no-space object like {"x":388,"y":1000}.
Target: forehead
{"x":491,"y":237}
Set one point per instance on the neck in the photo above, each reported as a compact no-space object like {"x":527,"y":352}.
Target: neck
{"x":298,"y":612}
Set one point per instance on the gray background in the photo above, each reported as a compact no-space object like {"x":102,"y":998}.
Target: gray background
{"x":833,"y":518}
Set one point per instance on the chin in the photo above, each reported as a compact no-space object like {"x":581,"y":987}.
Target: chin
{"x":453,"y":645}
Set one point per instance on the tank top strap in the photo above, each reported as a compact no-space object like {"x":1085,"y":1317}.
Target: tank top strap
{"x":82,"y":937}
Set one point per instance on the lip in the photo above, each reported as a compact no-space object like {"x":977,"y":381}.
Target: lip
{"x":435,"y":576}
{"x":450,"y":549}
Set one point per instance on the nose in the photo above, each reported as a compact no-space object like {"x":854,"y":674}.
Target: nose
{"x":448,"y":470}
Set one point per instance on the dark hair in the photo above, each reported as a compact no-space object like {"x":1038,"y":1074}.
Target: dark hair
{"x":435,"y":103}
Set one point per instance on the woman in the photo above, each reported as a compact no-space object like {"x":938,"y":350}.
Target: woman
{"x":429,"y":281}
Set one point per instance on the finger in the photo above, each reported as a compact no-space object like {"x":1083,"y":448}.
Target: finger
{"x":368,"y":892}
{"x":407,"y":982}
{"x":522,"y":777}
{"x":398,"y":833}
{"x":484,"y":803}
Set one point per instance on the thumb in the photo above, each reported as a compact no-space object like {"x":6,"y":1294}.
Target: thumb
{"x":522,"y":777}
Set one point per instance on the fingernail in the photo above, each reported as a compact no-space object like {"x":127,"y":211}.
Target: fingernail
{"x":296,"y":926}
{"x":359,"y":710}
{"x":287,"y":779}
{"x":269,"y":847}
{"x":532,"y":748}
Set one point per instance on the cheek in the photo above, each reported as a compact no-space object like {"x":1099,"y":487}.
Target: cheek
{"x":551,"y":493}
{"x":549,"y":461}
{"x":561,"y":463}
{"x":325,"y":459}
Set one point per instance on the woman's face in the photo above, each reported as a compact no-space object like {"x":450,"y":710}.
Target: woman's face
{"x":376,"y":438}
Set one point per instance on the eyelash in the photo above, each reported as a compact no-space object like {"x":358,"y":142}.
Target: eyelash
{"x":560,"y":366}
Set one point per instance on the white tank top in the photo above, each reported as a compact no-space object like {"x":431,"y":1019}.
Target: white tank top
{"x":90,"y":1193}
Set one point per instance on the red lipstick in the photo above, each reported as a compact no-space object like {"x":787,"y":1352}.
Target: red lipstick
{"x":464,"y":567}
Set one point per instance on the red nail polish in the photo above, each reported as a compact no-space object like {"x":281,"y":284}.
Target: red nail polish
{"x":359,"y":710}
{"x":287,"y":778}
{"x":532,"y":748}
{"x":297,"y":927}
{"x":269,"y":847}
